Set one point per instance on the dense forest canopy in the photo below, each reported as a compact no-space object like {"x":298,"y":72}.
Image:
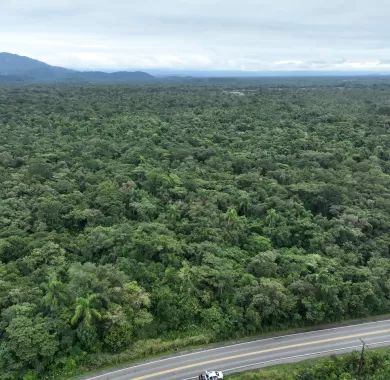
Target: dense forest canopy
{"x":222,"y":208}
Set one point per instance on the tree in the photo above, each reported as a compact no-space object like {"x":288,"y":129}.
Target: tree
{"x":28,"y":343}
{"x":264,"y":264}
{"x":86,"y":310}
{"x":56,"y":293}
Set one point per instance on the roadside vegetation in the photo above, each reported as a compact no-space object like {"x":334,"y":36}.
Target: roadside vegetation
{"x":374,"y":365}
{"x":140,"y":220}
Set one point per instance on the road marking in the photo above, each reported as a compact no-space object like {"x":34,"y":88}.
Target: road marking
{"x":323,"y":330}
{"x":282,"y":359}
{"x":232,"y":357}
{"x":296,"y":356}
{"x":291,"y":357}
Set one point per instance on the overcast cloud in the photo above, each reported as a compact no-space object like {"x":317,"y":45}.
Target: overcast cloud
{"x":198,"y":34}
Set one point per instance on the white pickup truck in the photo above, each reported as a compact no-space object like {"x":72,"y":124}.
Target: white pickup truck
{"x":211,"y":375}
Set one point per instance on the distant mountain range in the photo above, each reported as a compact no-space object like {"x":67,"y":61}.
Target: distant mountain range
{"x":18,"y":69}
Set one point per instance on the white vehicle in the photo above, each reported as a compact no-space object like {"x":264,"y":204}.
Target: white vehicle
{"x":211,"y":375}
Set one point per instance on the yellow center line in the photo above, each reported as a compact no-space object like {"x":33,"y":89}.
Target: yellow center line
{"x":237,"y":356}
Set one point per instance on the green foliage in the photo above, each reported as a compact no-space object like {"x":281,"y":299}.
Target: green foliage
{"x":85,"y":312}
{"x":28,"y":342}
{"x":375,"y":366}
{"x":132,"y":214}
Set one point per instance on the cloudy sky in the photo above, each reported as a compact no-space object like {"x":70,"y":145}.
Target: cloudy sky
{"x":200,"y":34}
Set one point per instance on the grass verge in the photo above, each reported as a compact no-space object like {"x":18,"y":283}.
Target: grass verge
{"x":159,"y":348}
{"x":374,"y":366}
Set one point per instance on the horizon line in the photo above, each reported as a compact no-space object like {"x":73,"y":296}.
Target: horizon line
{"x":222,"y":72}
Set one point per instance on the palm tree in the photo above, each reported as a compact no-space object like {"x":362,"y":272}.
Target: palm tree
{"x":85,"y":311}
{"x":55,"y":293}
{"x":231,"y":217}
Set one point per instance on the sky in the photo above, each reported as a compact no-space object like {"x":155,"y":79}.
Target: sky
{"x":247,"y":35}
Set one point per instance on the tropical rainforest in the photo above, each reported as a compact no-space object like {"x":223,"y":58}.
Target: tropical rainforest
{"x":135,"y":216}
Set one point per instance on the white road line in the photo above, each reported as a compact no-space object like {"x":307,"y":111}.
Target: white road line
{"x":233,"y":345}
{"x":297,"y":356}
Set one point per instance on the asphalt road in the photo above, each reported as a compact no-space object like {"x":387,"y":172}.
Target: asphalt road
{"x":257,"y":354}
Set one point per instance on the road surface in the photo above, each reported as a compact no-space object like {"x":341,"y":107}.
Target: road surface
{"x":257,"y":354}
